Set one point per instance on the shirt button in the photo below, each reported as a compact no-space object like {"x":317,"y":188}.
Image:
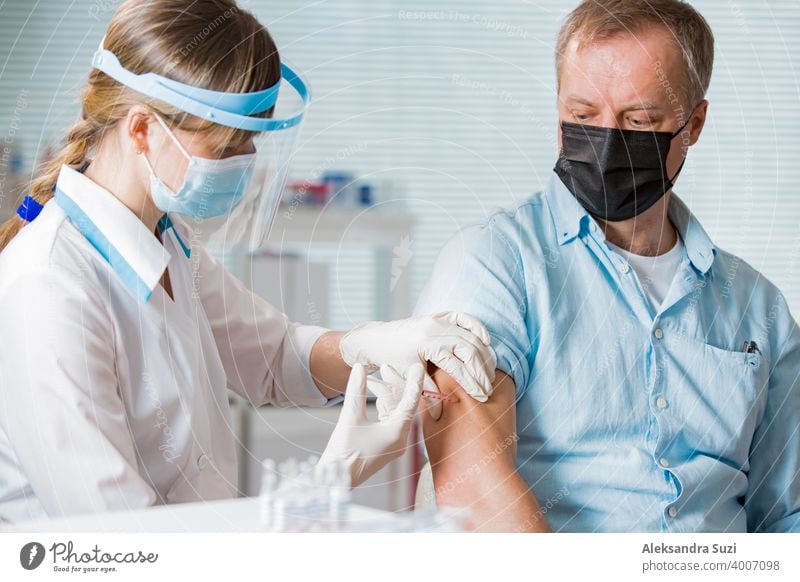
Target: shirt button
{"x":593,"y":226}
{"x":663,"y":462}
{"x":202,"y":461}
{"x":624,"y":268}
{"x":661,"y":402}
{"x":659,"y":333}
{"x":673,"y":511}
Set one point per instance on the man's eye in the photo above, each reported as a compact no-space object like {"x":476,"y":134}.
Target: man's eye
{"x":639,"y":122}
{"x":580,"y":116}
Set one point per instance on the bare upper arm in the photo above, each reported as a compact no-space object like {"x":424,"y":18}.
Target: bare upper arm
{"x":472,"y":449}
{"x":467,"y":424}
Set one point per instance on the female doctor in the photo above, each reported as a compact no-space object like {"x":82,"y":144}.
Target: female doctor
{"x":121,"y":333}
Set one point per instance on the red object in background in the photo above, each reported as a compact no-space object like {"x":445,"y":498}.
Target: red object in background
{"x":313,"y":192}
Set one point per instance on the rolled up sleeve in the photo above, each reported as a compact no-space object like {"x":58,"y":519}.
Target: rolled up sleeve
{"x":479,"y":272}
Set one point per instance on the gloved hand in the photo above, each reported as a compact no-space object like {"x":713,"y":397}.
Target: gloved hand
{"x":455,"y":342}
{"x":366,"y":446}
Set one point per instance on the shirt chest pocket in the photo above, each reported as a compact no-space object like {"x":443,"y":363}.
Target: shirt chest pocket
{"x":716,"y":398}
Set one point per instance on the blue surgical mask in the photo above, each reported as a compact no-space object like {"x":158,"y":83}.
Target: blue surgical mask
{"x":210,"y":187}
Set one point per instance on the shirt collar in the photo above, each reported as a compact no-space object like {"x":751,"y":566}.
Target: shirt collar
{"x":568,"y":214}
{"x":699,"y":247}
{"x":569,"y":217}
{"x":135,"y":254}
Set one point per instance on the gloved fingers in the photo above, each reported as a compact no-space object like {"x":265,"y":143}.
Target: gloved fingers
{"x":386,"y":398}
{"x":355,"y":397}
{"x":469,"y":360}
{"x":455,"y":368}
{"x":412,"y":392}
{"x":382,"y":388}
{"x":471,"y":324}
{"x":389,"y":391}
{"x":475,"y":365}
{"x":392,"y":377}
{"x":379,"y":388}
{"x":462,"y":337}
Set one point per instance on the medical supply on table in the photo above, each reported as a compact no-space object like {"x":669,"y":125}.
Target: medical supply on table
{"x":304,"y":496}
{"x":307,"y":496}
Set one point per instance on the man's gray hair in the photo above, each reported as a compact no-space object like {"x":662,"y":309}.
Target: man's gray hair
{"x":602,"y":19}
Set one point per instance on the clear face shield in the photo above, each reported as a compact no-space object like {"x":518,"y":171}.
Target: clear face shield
{"x":230,"y":203}
{"x":248,"y":220}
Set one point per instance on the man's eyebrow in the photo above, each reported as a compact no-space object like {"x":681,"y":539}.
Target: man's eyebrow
{"x":579,"y":99}
{"x":643,"y":106}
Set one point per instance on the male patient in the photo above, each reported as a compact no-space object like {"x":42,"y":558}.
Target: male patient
{"x":647,"y":380}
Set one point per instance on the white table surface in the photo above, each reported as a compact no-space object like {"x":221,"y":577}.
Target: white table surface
{"x":229,"y":515}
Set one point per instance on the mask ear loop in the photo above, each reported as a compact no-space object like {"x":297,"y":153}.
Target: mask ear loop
{"x":674,"y":135}
{"x":177,"y":143}
{"x":173,"y":137}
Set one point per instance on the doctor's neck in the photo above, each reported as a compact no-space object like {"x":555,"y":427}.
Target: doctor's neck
{"x":117,"y":170}
{"x":650,"y":233}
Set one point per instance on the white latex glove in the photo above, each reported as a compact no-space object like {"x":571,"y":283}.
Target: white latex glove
{"x":455,"y":342}
{"x":366,"y":446}
{"x":390,"y":392}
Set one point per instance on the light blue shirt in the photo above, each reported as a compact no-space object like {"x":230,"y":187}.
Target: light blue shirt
{"x":632,"y":419}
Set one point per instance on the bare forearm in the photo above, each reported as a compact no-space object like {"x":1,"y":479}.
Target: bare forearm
{"x":329,"y":371}
{"x":472,"y":451}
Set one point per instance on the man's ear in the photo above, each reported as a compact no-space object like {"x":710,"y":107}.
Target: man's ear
{"x":137,"y":126}
{"x":697,"y":121}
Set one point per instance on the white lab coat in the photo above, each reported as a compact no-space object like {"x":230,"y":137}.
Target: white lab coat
{"x":112,"y":395}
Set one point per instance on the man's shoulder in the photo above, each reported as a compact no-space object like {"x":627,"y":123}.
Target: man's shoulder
{"x":528,"y":221}
{"x":733,"y":272}
{"x":743,"y":289}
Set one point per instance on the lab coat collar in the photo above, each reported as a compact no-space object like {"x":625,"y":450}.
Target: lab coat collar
{"x":569,"y":217}
{"x":135,"y":254}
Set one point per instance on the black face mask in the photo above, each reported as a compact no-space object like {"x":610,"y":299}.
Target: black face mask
{"x":615,"y":173}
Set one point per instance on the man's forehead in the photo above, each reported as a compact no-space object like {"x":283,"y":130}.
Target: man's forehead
{"x":629,"y":66}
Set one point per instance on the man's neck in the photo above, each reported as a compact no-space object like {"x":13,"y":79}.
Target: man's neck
{"x":649,"y":234}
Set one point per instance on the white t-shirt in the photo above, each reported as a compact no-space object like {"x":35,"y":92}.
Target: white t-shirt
{"x":655,"y":273}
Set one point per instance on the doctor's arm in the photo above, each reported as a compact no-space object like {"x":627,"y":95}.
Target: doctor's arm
{"x":269,"y":359}
{"x":472,"y":449}
{"x":772,"y":502}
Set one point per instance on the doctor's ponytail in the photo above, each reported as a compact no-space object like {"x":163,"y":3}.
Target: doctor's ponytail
{"x":80,"y":139}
